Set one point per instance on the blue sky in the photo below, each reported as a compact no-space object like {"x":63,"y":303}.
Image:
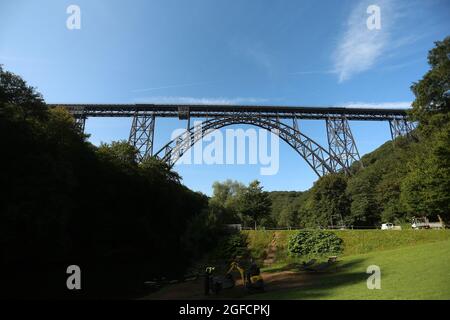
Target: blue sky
{"x":211,"y":51}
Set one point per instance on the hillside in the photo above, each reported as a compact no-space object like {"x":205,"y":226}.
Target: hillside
{"x":355,"y":241}
{"x":378,"y":192}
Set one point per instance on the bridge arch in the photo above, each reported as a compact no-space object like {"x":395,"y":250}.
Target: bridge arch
{"x":317,"y":157}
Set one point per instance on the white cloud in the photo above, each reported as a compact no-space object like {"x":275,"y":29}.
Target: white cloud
{"x":202,"y":100}
{"x":359,"y":48}
{"x":378,"y":105}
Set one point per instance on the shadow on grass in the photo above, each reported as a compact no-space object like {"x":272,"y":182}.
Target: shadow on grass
{"x":318,"y":284}
{"x":320,"y":266}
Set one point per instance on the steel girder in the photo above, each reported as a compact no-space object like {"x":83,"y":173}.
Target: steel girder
{"x":341,"y":142}
{"x":319,"y":159}
{"x":400,"y":127}
{"x":81,"y":123}
{"x":221,"y":111}
{"x":142,"y":133}
{"x":79,"y":113}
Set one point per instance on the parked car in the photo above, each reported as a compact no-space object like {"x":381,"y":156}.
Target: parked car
{"x":390,"y":226}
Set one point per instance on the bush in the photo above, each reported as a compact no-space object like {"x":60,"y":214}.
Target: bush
{"x":315,"y":243}
{"x":232,"y":246}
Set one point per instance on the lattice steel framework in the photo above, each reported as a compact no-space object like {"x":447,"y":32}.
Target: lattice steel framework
{"x":319,"y":159}
{"x":401,"y":127}
{"x":142,"y":133}
{"x":341,"y":142}
{"x":81,"y":122}
{"x":219,"y":111}
{"x":342,"y":151}
{"x":79,"y":113}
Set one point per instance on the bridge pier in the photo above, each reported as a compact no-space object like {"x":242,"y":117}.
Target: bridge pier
{"x":400,"y":128}
{"x":81,"y":123}
{"x":80,"y":117}
{"x":142,"y":133}
{"x":341,"y":142}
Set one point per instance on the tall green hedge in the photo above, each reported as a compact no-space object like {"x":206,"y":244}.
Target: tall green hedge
{"x":316,"y":243}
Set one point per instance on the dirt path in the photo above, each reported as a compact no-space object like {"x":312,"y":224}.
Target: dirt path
{"x":194,"y":289}
{"x":271,"y":251}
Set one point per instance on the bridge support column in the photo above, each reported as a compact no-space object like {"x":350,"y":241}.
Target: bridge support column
{"x":80,"y":117}
{"x":341,"y":142}
{"x":81,"y":123}
{"x":295,"y":124}
{"x":142,"y":133}
{"x":400,"y":128}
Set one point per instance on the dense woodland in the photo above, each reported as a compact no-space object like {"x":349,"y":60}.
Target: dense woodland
{"x":65,"y":201}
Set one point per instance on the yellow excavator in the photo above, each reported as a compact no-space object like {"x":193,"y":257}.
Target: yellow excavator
{"x":251,"y":280}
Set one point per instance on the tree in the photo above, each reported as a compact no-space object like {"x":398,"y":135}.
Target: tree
{"x":254,"y":203}
{"x":224,"y":201}
{"x":157,"y":169}
{"x":330,"y":201}
{"x":66,"y":200}
{"x":20,"y":99}
{"x":426,"y":187}
{"x":288,"y":216}
{"x":429,"y":91}
{"x":120,"y":152}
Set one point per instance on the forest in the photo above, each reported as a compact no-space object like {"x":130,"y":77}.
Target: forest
{"x":65,"y":201}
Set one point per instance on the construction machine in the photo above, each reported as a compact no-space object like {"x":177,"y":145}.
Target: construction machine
{"x":251,"y":278}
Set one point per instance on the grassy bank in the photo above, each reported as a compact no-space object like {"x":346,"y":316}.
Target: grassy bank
{"x":410,"y":272}
{"x":355,"y":241}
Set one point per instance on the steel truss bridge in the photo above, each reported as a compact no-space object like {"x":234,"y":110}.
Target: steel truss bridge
{"x":339,"y":155}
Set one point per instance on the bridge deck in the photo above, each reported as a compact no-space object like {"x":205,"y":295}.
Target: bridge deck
{"x":208,"y":111}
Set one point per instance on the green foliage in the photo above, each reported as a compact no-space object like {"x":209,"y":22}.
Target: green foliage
{"x":254,"y":204}
{"x":66,"y":201}
{"x":284,"y":209}
{"x":232,"y":246}
{"x":429,"y":91}
{"x":330,"y":203}
{"x":120,"y":152}
{"x":426,"y":187}
{"x":157,"y":169}
{"x":232,"y":202}
{"x":314,"y":243}
{"x":354,"y":241}
{"x":18,"y":100}
{"x":224,"y":202}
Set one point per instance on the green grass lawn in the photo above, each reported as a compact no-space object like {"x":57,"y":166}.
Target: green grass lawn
{"x":421,"y":271}
{"x":355,"y":241}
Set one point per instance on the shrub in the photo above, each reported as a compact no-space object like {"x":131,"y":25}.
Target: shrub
{"x":317,"y":243}
{"x":232,"y":246}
